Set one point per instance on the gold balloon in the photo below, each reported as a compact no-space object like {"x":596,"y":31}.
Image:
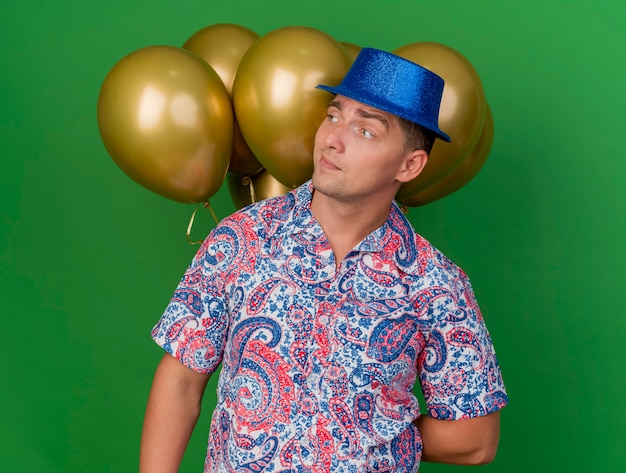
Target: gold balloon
{"x":276,"y":103}
{"x":222,"y":46}
{"x":353,"y":49}
{"x":463,"y":173}
{"x":243,"y":162}
{"x":462,"y":112}
{"x":246,"y":190}
{"x":166,"y":120}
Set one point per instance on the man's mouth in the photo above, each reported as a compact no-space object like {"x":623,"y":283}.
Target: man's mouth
{"x":327,"y":163}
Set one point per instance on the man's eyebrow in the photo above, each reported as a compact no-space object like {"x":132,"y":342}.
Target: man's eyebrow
{"x":335,"y":103}
{"x":375,"y":116}
{"x":363,"y":113}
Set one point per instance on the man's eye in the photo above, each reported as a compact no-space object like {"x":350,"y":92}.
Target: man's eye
{"x":366,"y":133}
{"x":331,"y":117}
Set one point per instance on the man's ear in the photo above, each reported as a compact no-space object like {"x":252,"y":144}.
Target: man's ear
{"x":413,"y":165}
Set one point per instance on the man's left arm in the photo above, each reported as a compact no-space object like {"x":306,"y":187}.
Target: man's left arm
{"x":471,"y":441}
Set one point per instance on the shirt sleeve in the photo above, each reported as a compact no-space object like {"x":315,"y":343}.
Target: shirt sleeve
{"x":194,"y":324}
{"x":459,"y":373}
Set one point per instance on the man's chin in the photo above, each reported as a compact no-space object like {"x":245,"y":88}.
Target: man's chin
{"x":331,"y":190}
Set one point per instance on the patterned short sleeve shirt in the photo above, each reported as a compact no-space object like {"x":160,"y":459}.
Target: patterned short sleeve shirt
{"x":319,"y":361}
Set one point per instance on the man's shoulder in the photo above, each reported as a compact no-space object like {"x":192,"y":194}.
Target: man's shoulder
{"x":417,"y":255}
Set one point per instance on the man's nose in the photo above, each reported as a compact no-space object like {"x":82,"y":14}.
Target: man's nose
{"x":335,"y":136}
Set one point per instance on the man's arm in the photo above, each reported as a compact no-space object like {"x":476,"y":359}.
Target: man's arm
{"x":171,"y":414}
{"x":461,"y":442}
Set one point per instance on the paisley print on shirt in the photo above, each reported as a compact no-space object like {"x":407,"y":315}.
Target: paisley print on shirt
{"x":318,"y":361}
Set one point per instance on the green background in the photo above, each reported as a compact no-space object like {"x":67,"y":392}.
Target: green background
{"x":88,"y":258}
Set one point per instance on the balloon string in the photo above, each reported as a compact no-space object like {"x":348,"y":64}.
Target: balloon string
{"x":206,"y":205}
{"x":246,"y":181}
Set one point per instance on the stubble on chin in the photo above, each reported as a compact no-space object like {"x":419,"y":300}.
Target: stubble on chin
{"x":330,"y":189}
{"x":323,"y":184}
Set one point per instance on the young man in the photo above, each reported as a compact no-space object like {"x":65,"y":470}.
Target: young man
{"x":324,"y":307}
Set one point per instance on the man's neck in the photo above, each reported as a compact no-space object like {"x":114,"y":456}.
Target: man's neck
{"x":347,"y":224}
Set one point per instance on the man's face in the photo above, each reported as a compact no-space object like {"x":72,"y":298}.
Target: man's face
{"x":359,"y":152}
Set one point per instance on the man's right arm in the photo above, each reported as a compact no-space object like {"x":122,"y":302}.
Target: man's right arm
{"x":171,"y":414}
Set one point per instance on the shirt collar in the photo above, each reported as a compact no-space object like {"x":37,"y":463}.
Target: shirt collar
{"x":396,"y":227}
{"x":302,"y":216}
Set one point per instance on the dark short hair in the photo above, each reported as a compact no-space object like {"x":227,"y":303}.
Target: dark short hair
{"x":416,"y":136}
